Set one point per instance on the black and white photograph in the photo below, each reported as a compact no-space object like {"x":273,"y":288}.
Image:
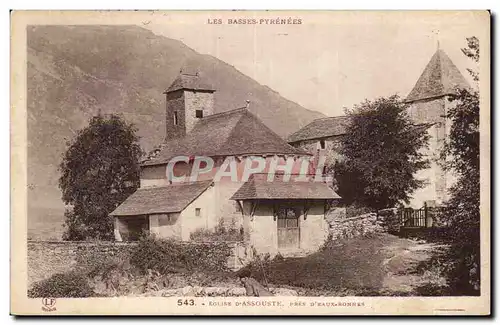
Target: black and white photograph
{"x":251,"y":162}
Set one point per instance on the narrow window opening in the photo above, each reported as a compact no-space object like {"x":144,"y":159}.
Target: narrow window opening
{"x":322,"y":144}
{"x":197,"y":212}
{"x":199,"y":113}
{"x":176,"y":120}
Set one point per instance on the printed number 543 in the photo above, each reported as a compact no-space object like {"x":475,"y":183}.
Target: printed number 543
{"x":185,"y":302}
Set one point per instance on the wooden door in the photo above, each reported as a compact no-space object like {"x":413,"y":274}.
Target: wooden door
{"x":288,"y":227}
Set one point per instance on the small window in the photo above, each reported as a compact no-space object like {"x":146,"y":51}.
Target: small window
{"x":199,"y":113}
{"x":197,"y":212}
{"x":176,"y":121}
{"x":322,"y":144}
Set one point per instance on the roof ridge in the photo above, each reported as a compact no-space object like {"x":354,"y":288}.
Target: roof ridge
{"x":440,"y":53}
{"x":235,"y":126}
{"x":318,"y":119}
{"x":176,"y":184}
{"x":222,"y":113}
{"x":264,"y":126}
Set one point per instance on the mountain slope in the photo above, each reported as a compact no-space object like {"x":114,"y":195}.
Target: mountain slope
{"x":76,"y":71}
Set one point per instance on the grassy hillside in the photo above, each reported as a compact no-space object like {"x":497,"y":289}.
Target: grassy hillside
{"x":75,"y":71}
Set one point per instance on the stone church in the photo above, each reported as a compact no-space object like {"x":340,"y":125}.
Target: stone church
{"x":428,"y":104}
{"x":276,"y":203}
{"x":274,"y":212}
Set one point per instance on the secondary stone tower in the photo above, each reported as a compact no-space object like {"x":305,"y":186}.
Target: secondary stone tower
{"x":429,"y":104}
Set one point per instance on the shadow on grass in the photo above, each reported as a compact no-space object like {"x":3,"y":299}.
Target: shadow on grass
{"x":347,"y":267}
{"x":455,"y":264}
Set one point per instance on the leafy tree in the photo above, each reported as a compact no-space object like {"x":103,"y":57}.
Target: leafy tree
{"x":100,"y":169}
{"x":462,"y":150}
{"x":461,"y":155}
{"x":472,"y":52}
{"x":381,"y":151}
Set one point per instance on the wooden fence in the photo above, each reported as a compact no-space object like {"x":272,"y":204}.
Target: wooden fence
{"x":424,"y":217}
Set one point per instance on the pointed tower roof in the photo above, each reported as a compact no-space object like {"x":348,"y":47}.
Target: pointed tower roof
{"x":440,"y":77}
{"x":189,"y":81}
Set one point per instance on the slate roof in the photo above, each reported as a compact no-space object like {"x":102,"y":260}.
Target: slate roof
{"x":236,"y":132}
{"x":440,"y":77}
{"x":257,"y":187}
{"x":191,"y":82}
{"x":161,"y":199}
{"x":321,"y":128}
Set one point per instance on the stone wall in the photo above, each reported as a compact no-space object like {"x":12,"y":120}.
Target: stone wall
{"x":355,"y":226}
{"x":175,"y":103}
{"x":438,"y":180}
{"x":46,"y":258}
{"x":197,"y":100}
{"x":331,"y":152}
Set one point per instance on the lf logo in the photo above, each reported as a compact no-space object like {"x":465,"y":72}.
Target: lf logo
{"x":48,"y":304}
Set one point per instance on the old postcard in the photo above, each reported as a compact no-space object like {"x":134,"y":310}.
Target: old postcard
{"x":250,"y":163}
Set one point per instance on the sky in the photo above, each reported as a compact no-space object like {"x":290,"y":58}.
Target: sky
{"x":331,"y":60}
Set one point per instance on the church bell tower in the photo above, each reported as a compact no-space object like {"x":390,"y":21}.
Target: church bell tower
{"x":188,"y":99}
{"x":429,"y":104}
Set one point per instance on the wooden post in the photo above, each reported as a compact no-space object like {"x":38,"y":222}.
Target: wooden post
{"x":425,"y":213}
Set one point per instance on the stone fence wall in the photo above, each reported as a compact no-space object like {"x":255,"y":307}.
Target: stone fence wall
{"x":356,"y":226}
{"x":46,"y":258}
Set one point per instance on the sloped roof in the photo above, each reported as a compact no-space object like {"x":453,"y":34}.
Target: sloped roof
{"x":236,"y":132}
{"x":440,"y":77}
{"x":191,"y":82}
{"x":321,"y":128}
{"x":257,"y":187}
{"x":161,"y":199}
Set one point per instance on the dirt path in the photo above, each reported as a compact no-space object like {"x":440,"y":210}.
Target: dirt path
{"x":401,"y":263}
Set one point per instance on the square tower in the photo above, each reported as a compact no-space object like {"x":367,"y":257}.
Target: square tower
{"x":188,"y":100}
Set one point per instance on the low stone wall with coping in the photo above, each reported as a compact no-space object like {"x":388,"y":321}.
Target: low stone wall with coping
{"x":46,"y":258}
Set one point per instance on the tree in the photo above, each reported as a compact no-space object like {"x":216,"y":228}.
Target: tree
{"x":472,"y":52}
{"x":99,"y":170}
{"x":461,"y":155}
{"x":382,"y":153}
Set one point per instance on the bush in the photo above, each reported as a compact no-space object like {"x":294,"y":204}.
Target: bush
{"x":62,"y":285}
{"x":390,"y":219}
{"x":220,"y":233}
{"x":93,"y":261}
{"x":166,"y":256}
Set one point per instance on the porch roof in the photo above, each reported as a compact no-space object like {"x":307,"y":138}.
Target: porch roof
{"x":161,"y":199}
{"x":258,"y":187}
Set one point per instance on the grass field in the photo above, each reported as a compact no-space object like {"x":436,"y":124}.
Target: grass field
{"x":379,"y":265}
